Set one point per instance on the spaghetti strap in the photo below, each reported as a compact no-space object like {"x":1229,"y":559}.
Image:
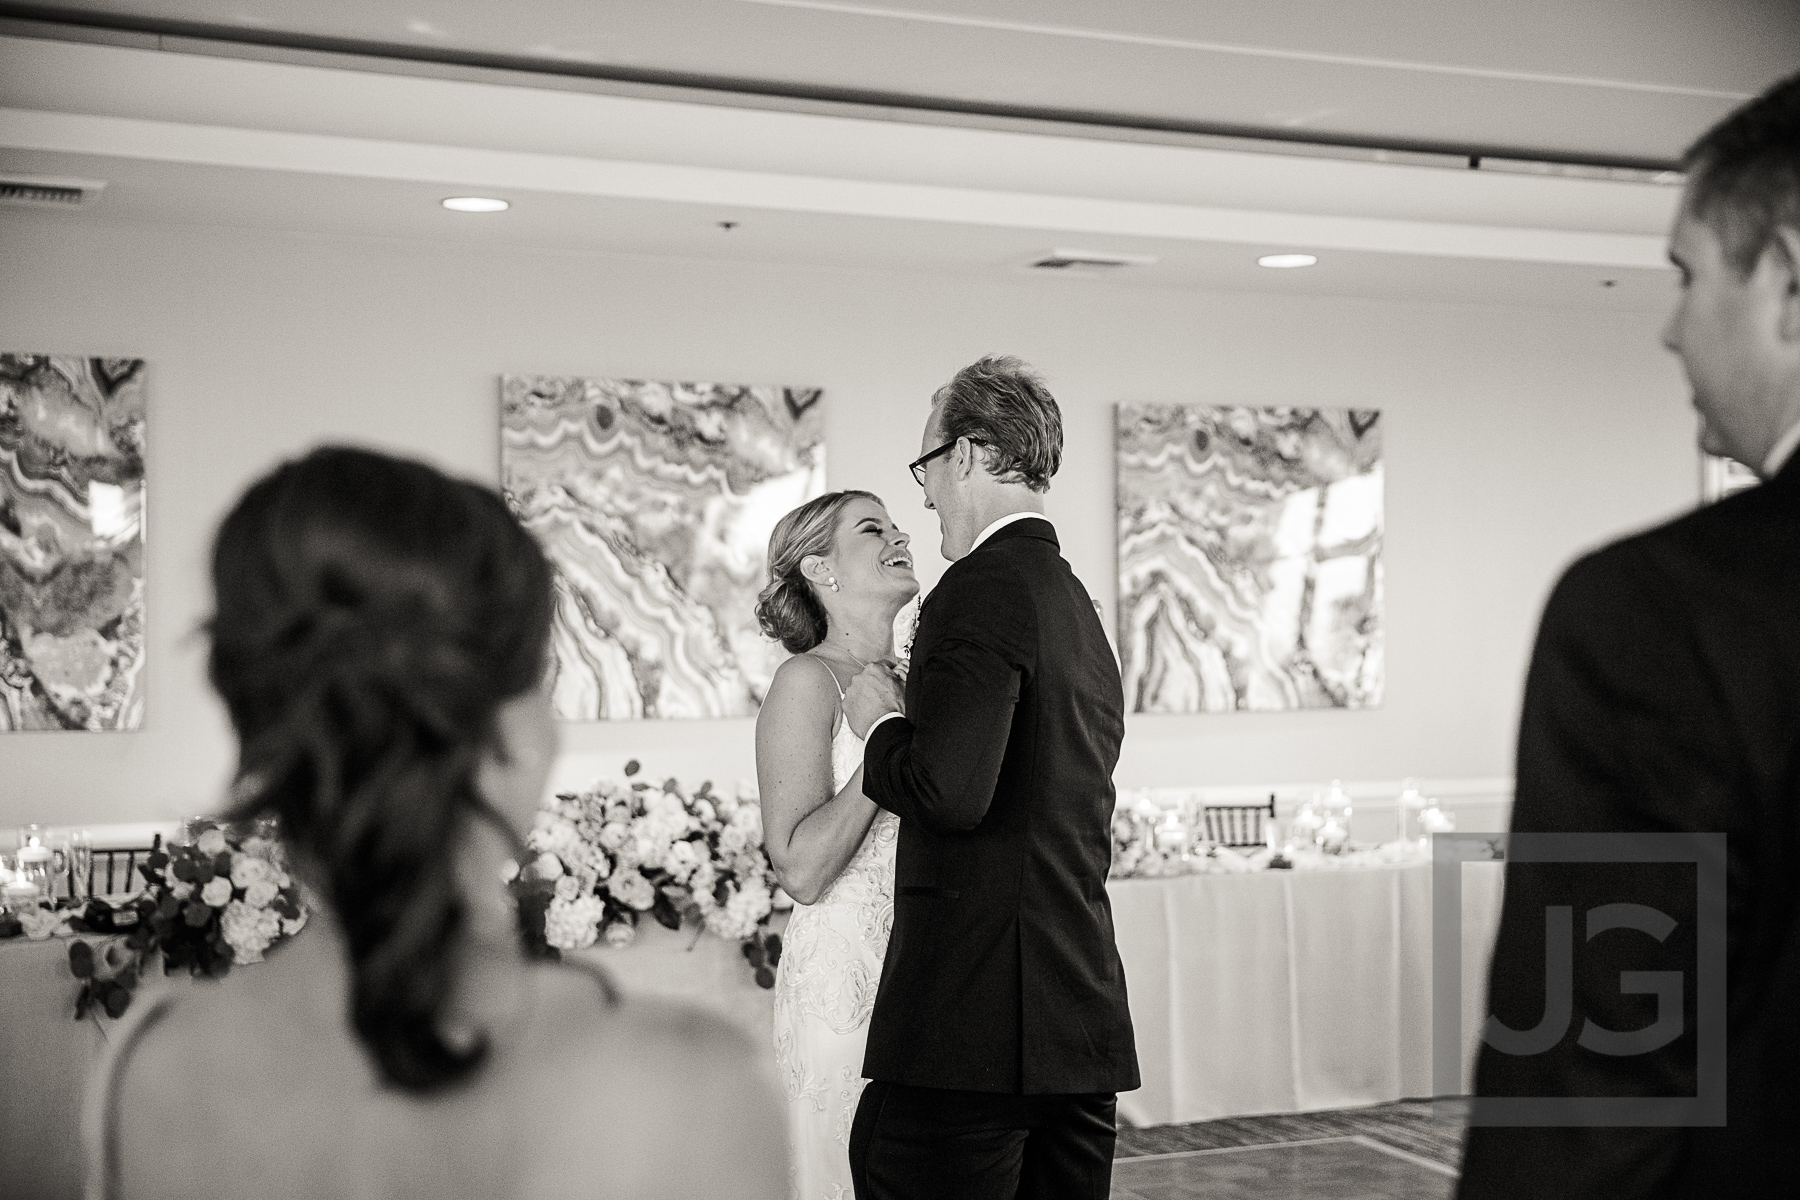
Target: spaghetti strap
{"x":834,"y":678}
{"x":100,"y":1110}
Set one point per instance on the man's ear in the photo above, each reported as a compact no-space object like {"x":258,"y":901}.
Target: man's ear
{"x":1784,"y":251}
{"x":966,"y":462}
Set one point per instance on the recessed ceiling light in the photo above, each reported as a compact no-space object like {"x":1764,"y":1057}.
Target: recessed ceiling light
{"x":1281,"y":261}
{"x":475,"y":204}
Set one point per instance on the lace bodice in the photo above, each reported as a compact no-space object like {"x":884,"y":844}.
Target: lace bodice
{"x":870,"y":871}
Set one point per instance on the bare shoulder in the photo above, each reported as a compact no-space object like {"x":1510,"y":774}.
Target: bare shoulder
{"x":802,"y":679}
{"x":661,"y":1100}
{"x":802,"y":693}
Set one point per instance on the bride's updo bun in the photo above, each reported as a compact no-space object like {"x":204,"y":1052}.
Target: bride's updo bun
{"x":788,"y":609}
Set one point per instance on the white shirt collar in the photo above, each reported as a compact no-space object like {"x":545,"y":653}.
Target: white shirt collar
{"x":1008,"y":519}
{"x":1778,"y":457}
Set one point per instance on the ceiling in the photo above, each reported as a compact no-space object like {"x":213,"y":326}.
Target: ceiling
{"x":187,"y":123}
{"x":1605,"y":81}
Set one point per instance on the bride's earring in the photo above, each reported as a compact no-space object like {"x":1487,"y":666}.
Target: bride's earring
{"x":832,"y":584}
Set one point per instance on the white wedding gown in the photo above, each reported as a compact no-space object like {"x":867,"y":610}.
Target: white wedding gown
{"x":824,"y":992}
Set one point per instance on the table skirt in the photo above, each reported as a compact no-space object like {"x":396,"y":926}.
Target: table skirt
{"x":1289,"y":991}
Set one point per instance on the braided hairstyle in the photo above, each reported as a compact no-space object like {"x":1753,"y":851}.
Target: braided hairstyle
{"x":373,"y":615}
{"x":788,"y":609}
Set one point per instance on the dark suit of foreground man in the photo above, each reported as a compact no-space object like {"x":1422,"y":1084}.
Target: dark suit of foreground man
{"x":1000,"y":1033}
{"x":1664,"y":695}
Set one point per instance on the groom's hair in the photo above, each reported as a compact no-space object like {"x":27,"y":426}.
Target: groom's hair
{"x":1744,"y":174}
{"x":1002,"y":404}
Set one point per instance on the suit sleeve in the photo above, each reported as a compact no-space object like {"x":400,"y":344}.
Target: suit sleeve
{"x":938,"y":765}
{"x":1623,"y":727}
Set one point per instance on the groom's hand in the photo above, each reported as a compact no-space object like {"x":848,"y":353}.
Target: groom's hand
{"x":871,"y":694}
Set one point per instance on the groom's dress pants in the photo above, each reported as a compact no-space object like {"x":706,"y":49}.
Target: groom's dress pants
{"x":920,"y":1143}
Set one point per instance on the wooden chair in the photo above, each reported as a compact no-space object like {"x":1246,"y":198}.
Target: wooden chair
{"x":1238,"y":825}
{"x":113,"y":871}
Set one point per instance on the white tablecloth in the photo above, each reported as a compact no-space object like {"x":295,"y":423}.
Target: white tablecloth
{"x":1289,"y":991}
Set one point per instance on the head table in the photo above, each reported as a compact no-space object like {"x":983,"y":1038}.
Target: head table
{"x":1270,"y":991}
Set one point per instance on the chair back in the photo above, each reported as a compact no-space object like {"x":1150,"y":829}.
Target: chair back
{"x":113,"y":871}
{"x":1238,"y":825}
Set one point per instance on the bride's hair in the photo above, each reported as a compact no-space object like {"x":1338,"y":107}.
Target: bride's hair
{"x":788,"y":609}
{"x":373,"y":614}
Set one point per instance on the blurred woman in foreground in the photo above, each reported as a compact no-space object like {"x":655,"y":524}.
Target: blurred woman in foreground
{"x":379,"y":642}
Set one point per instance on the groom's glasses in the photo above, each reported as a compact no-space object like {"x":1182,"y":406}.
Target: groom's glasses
{"x":917,"y":465}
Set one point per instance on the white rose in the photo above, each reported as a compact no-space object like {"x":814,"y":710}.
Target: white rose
{"x":613,"y":835}
{"x":210,"y":843}
{"x":704,"y":810}
{"x":261,"y":894}
{"x":218,"y":892}
{"x":732,"y":839}
{"x":573,"y":924}
{"x":748,"y":817}
{"x":181,"y":890}
{"x":547,"y":866}
{"x":248,"y":931}
{"x":632,"y":889}
{"x":681,"y":860}
{"x":568,"y":888}
{"x":246,"y":870}
{"x":620,"y":934}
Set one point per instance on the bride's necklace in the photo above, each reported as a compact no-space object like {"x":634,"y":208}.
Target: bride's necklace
{"x":851,"y":655}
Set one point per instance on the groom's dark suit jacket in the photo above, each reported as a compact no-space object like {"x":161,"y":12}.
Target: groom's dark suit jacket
{"x":1001,"y":972}
{"x":1663,"y":695}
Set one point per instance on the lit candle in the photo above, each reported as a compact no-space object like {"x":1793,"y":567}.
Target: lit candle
{"x":35,"y":853}
{"x":20,"y":892}
{"x":1171,"y":834}
{"x":1435,"y":820}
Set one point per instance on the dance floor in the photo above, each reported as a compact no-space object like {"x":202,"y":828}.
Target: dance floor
{"x":1344,"y":1168}
{"x":1397,"y":1151}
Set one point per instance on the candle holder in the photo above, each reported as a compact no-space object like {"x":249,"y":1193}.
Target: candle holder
{"x":1173,"y":835}
{"x":1433,"y":819}
{"x":23,"y":884}
{"x":1408,"y":802}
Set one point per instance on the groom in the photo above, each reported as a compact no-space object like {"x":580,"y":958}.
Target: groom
{"x":1000,"y":1034}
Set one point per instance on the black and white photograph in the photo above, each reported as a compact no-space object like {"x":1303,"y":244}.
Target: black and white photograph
{"x":919,"y":600}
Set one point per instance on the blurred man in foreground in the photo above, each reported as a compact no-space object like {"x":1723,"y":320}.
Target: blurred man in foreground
{"x":1664,"y":696}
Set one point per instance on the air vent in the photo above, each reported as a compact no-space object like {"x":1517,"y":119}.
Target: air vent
{"x":42,"y":191}
{"x":1088,"y":262}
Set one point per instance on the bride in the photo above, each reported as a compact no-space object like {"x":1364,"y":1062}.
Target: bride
{"x":839,"y":572}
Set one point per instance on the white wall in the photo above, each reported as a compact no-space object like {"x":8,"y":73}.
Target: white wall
{"x":1514,"y":439}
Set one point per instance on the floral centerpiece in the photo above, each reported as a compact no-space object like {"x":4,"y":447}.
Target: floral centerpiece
{"x":217,"y":902}
{"x":610,"y":854}
{"x":1135,"y":852}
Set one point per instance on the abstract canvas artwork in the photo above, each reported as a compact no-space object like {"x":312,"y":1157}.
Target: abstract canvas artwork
{"x":71,"y":542}
{"x":1249,"y":557}
{"x":655,"y":502}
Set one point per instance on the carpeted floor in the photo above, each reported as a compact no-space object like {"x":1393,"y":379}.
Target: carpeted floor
{"x":1406,"y":1125}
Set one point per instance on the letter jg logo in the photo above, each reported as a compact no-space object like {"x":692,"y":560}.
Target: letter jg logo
{"x":1559,"y":988}
{"x":1585,"y":987}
